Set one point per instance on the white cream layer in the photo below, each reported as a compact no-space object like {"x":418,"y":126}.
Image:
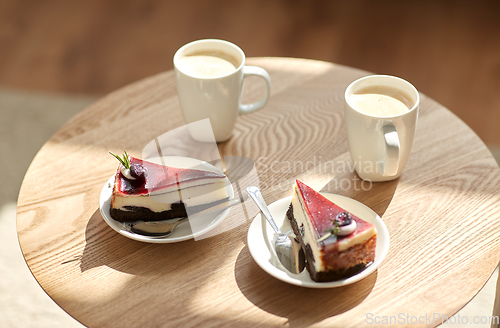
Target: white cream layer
{"x":356,"y":239}
{"x":309,"y":236}
{"x":193,"y":196}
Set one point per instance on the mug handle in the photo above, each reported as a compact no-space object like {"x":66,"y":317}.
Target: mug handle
{"x":256,"y":71}
{"x":390,"y":165}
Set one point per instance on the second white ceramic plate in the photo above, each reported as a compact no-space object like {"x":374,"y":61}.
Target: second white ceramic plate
{"x":260,"y":242}
{"x":182,"y":231}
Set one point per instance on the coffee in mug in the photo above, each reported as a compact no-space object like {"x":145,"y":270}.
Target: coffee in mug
{"x":209,"y":76}
{"x":207,"y":64}
{"x":381,"y":114}
{"x":381,"y":101}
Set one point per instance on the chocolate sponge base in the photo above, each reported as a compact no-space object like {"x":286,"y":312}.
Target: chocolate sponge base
{"x":178,"y":210}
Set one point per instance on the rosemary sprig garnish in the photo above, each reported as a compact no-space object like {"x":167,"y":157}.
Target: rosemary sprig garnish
{"x":125,"y":160}
{"x":332,"y":231}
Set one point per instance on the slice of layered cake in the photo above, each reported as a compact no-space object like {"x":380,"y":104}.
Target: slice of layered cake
{"x":146,"y":191}
{"x":336,"y":243}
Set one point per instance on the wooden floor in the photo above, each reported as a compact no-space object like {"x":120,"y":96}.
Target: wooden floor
{"x":450,"y":50}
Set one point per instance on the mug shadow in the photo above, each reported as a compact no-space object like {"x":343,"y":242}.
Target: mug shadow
{"x":300,"y":305}
{"x":375,"y":195}
{"x":106,"y":247}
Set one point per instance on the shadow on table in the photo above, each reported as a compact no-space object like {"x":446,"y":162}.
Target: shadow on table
{"x":375,"y":195}
{"x":301,"y":306}
{"x":104,"y":246}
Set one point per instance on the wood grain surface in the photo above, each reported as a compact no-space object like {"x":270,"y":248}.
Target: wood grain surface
{"x":443,"y":213}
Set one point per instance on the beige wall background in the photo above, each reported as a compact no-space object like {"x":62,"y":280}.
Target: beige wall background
{"x":450,"y":50}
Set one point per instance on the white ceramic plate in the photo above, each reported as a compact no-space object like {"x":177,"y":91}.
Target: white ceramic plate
{"x":260,"y":242}
{"x":182,"y":231}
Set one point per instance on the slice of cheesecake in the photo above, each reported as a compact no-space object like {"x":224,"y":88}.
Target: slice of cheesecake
{"x":146,"y":191}
{"x":336,"y":243}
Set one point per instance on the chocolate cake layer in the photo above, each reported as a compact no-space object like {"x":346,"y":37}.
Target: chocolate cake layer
{"x":178,"y":210}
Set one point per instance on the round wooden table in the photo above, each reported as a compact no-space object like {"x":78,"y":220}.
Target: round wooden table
{"x":442,"y":214}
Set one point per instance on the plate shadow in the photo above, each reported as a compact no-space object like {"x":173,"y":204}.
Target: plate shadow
{"x":375,"y":195}
{"x":106,"y":247}
{"x":298,"y":304}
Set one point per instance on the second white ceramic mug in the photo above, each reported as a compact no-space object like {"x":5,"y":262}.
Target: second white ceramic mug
{"x":380,"y":146}
{"x":217,"y":98}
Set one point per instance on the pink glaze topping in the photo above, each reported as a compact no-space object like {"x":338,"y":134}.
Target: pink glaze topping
{"x":159,"y":177}
{"x":321,"y":211}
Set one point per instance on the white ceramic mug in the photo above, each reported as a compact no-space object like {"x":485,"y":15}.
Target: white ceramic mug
{"x":216,"y":97}
{"x":380,"y":145}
